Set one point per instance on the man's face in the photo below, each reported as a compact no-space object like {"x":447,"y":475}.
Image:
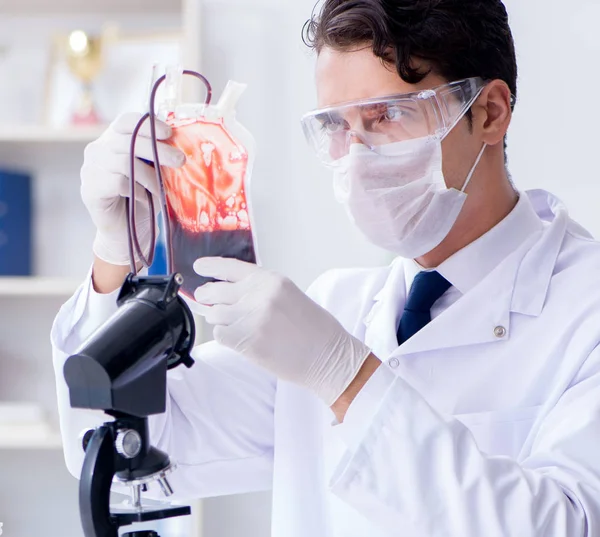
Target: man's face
{"x":354,"y":75}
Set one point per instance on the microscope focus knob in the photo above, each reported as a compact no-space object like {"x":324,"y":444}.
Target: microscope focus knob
{"x":128,"y":443}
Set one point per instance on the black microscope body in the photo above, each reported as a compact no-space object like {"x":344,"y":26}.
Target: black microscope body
{"x":122,"y":370}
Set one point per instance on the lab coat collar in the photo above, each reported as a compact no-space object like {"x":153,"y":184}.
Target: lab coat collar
{"x":535,"y":272}
{"x":519,"y":284}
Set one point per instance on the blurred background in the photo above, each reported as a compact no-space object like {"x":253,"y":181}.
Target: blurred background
{"x":57,"y":93}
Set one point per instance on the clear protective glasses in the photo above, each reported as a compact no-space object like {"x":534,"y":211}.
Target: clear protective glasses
{"x":385,"y":120}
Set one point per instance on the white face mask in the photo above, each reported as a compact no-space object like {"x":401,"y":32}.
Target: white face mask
{"x":398,"y":197}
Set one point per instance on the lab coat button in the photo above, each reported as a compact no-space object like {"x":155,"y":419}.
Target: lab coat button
{"x":500,"y":332}
{"x":394,"y":363}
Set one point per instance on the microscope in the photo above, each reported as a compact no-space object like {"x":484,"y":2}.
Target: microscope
{"x":122,"y":370}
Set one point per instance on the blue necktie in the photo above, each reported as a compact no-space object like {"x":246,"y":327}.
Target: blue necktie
{"x":426,"y":289}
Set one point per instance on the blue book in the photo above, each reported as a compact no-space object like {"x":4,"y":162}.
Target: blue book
{"x":159,"y":267}
{"x":15,"y":224}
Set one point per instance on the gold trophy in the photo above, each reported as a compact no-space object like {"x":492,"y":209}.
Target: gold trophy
{"x":84,"y":55}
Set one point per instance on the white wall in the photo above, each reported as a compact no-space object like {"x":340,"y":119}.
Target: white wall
{"x":553,"y":143}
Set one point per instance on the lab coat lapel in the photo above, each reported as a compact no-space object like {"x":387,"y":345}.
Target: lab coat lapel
{"x":480,"y":316}
{"x":475,"y":318}
{"x":382,"y":321}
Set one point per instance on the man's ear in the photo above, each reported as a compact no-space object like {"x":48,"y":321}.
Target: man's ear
{"x":492,"y":112}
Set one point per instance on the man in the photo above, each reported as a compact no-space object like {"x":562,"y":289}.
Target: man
{"x":453,"y":393}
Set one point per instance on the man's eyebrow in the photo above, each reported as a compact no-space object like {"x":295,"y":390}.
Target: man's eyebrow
{"x":327,"y":116}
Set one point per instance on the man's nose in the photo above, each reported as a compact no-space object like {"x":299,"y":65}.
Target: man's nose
{"x":354,"y":137}
{"x":355,"y":128}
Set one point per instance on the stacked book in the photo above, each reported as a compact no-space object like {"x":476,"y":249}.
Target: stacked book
{"x":15,"y":224}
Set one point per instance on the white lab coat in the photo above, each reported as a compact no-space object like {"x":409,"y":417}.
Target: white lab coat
{"x":487,"y":422}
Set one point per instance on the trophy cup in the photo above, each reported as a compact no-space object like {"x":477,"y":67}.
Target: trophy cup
{"x":84,"y":55}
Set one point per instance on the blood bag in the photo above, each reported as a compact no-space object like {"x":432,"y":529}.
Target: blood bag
{"x":207,"y":208}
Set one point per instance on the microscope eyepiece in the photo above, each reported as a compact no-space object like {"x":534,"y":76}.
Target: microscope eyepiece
{"x":122,"y":367}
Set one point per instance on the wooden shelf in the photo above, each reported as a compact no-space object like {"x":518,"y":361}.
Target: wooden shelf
{"x":37,"y":287}
{"x":43,"y":134}
{"x":43,"y":7}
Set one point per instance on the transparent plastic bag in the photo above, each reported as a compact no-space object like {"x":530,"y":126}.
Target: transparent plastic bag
{"x":207,"y":208}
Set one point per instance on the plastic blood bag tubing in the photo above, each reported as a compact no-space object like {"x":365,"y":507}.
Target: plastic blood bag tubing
{"x":207,"y":202}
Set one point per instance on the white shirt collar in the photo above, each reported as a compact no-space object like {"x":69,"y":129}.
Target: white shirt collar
{"x":469,"y":266}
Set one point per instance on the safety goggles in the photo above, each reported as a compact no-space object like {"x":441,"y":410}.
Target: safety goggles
{"x":385,"y":120}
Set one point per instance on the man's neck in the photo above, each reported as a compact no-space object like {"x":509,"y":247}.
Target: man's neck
{"x":486,"y":206}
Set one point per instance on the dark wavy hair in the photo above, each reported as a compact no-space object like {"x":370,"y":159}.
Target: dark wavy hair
{"x":458,"y":38}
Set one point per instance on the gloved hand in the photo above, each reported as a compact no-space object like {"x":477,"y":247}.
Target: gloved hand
{"x":270,"y":321}
{"x":105,"y":185}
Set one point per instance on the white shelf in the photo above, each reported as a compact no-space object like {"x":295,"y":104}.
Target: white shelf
{"x":27,"y":428}
{"x":43,"y":134}
{"x":53,"y":441}
{"x":37,"y":287}
{"x":38,"y":7}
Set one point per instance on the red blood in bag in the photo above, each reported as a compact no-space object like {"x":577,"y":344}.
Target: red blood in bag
{"x":207,"y":194}
{"x":206,"y":200}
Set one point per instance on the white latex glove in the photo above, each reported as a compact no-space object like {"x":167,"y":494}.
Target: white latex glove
{"x":270,"y":321}
{"x":105,"y":184}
